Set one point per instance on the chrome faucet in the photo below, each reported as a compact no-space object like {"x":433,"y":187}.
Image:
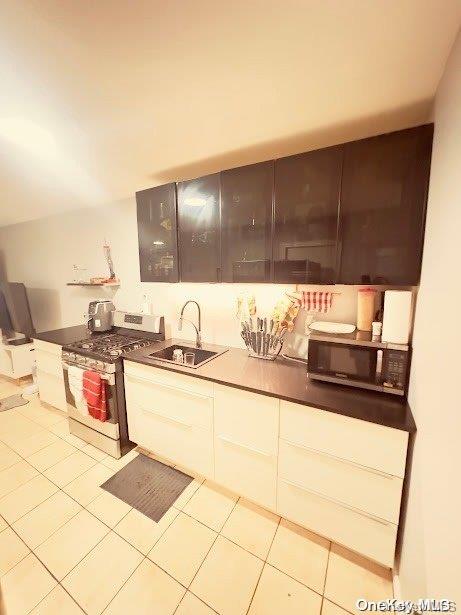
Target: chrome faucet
{"x":198,"y":340}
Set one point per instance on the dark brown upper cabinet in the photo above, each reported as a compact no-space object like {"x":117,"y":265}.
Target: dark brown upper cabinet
{"x":383,"y":207}
{"x":158,"y":250}
{"x":246,"y":223}
{"x":307,"y":190}
{"x":200,"y":229}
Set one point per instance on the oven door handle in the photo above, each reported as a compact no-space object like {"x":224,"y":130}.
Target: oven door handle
{"x":109,"y":378}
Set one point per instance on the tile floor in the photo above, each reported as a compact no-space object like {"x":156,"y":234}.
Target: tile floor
{"x":68,"y":547}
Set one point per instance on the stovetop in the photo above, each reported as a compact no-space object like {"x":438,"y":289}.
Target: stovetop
{"x":109,"y":347}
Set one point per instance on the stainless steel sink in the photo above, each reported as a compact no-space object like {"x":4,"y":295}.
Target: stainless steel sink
{"x":201,"y":355}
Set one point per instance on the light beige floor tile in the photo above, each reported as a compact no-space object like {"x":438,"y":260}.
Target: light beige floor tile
{"x":17,"y":428}
{"x":26,"y":497}
{"x":211,"y":505}
{"x":12,"y":550}
{"x":32,"y":444}
{"x":51,"y":455}
{"x":149,"y":590}
{"x":108,"y":508}
{"x":96,"y":580}
{"x":42,"y":415}
{"x":25,"y":585}
{"x":61,"y":428}
{"x":351,"y":576}
{"x":69,"y":545}
{"x":3,"y":524}
{"x":191,"y":605}
{"x":69,"y":468}
{"x":40,"y":523}
{"x":227,"y":578}
{"x":251,"y":527}
{"x":278,"y":593}
{"x":86,"y":487}
{"x":188,"y":492}
{"x":300,"y":554}
{"x":58,"y":602}
{"x":94,"y":452}
{"x":328,"y":608}
{"x":118,"y":464}
{"x":182,"y":548}
{"x":8,"y":457}
{"x":15,"y":476}
{"x":142,"y":532}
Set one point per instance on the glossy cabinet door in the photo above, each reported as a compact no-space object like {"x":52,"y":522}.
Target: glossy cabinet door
{"x":307,"y":188}
{"x":199,"y":229}
{"x":383,"y":207}
{"x":158,"y":251}
{"x":246,"y":221}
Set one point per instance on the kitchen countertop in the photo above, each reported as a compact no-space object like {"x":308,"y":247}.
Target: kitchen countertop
{"x":62,"y":337}
{"x":288,"y":380}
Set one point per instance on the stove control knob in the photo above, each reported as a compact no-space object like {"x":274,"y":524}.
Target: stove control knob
{"x":100,"y":364}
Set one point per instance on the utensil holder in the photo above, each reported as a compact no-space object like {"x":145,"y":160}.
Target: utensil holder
{"x":262,"y":345}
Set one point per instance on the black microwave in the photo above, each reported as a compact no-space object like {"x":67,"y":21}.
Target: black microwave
{"x":357,"y":360}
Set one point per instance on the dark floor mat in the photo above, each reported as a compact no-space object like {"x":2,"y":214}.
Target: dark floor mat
{"x":148,"y":485}
{"x":13,"y":401}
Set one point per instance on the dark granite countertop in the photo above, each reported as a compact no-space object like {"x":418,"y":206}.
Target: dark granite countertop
{"x":64,"y":336}
{"x":288,"y":380}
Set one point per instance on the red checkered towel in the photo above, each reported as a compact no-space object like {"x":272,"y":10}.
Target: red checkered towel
{"x":94,"y":391}
{"x":316,"y":301}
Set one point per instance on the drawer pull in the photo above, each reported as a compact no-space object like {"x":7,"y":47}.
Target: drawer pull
{"x":351,"y":463}
{"x":168,"y":418}
{"x":167,"y":386}
{"x":240,"y":445}
{"x":325,"y":497}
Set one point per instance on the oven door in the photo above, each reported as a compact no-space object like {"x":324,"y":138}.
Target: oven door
{"x":102,"y":434}
{"x":346,"y":363}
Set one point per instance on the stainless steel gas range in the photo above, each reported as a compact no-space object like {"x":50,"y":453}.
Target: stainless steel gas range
{"x":103,"y":353}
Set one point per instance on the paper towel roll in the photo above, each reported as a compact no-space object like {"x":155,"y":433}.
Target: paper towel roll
{"x":397,"y":316}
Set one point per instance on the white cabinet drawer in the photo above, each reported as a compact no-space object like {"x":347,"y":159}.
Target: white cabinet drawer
{"x":363,"y":488}
{"x":367,"y":444}
{"x":156,"y":375}
{"x":51,"y":390}
{"x":188,"y":407}
{"x":54,"y":349}
{"x":246,"y":470}
{"x":49,"y":362}
{"x":371,"y":537}
{"x":247,"y":418}
{"x":166,"y":435}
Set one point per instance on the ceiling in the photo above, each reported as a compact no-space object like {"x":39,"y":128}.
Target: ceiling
{"x":100,"y":99}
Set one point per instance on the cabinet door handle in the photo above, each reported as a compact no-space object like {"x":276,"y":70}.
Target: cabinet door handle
{"x":245,"y":446}
{"x":167,"y":418}
{"x":337,"y":502}
{"x":167,"y":386}
{"x":341,"y":460}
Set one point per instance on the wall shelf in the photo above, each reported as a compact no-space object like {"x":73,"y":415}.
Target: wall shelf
{"x":95,"y":284}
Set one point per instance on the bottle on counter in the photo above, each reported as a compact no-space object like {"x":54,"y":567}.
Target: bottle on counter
{"x":365,"y":308}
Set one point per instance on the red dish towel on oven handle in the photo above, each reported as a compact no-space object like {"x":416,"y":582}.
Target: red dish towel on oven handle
{"x":94,"y":391}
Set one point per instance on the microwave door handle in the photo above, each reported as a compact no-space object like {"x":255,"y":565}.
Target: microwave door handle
{"x":379,"y":365}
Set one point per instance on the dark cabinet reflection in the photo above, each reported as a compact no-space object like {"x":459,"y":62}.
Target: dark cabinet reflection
{"x":246,"y":218}
{"x":199,"y":229}
{"x":158,"y":254}
{"x":383,"y":203}
{"x":307,"y":188}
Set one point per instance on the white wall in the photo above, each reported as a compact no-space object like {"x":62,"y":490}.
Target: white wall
{"x":431,"y":556}
{"x":41,"y":253}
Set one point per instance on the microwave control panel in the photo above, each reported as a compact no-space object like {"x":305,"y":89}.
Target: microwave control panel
{"x":395,"y":364}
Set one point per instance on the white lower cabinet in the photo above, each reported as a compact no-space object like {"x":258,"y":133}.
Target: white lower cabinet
{"x":50,"y":378}
{"x":246,"y":443}
{"x":337,"y":476}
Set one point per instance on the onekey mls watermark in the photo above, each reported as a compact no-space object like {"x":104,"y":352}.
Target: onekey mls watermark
{"x":392,"y":605}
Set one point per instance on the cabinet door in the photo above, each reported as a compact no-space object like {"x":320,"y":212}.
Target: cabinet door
{"x":158,"y":252}
{"x":383,"y":204}
{"x":307,"y":190}
{"x":199,"y":229}
{"x":246,"y":221}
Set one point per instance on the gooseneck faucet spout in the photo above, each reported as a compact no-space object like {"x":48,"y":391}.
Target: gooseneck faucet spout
{"x":198,"y":330}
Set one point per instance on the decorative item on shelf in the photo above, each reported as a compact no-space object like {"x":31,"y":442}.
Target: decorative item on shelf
{"x":365,"y":308}
{"x":96,"y":280}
